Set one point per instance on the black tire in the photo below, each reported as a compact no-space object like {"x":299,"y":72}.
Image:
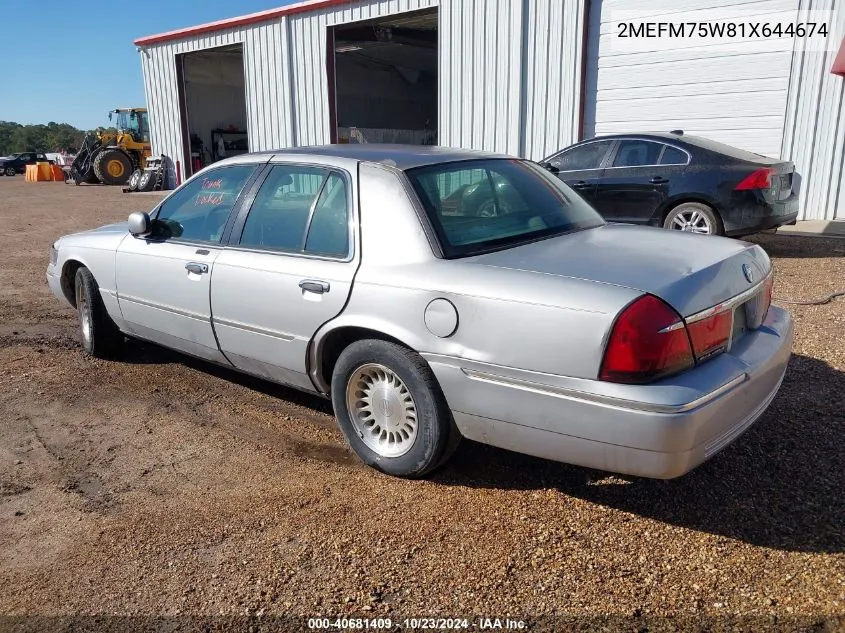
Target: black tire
{"x":113,"y":167}
{"x":135,"y":179}
{"x":10,"y":171}
{"x":101,"y":338}
{"x":147,"y":181}
{"x":705,"y":214}
{"x":436,"y":436}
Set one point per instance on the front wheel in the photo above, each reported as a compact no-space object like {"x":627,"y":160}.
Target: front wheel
{"x":10,"y":171}
{"x":391,"y":409}
{"x":101,"y":338}
{"x":693,"y":217}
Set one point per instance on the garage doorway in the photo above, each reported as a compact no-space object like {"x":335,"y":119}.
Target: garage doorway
{"x":383,"y":80}
{"x":212,"y":99}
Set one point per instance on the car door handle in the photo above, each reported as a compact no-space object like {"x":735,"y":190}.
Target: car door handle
{"x":579,"y":184}
{"x":196,"y":268}
{"x":659,"y":180}
{"x":314,"y":285}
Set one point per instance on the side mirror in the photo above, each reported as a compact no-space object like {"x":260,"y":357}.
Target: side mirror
{"x":139,"y":223}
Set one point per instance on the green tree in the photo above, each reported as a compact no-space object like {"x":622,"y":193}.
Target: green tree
{"x":51,"y":137}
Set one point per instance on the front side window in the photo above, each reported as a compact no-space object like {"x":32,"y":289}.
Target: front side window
{"x":482,"y":205}
{"x":300,"y":209}
{"x":637,"y":154}
{"x":587,"y":156}
{"x":198,"y":211}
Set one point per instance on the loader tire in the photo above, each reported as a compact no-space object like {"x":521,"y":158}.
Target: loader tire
{"x":112,"y":167}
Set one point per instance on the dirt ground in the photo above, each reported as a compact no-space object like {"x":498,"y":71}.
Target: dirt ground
{"x":160,"y":485}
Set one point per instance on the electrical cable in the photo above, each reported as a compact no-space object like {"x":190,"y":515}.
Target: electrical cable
{"x":813,"y":302}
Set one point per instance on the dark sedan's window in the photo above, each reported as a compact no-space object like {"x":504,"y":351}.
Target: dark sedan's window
{"x":199,"y":210}
{"x":673,"y":156}
{"x":482,"y":205}
{"x":637,"y":153}
{"x":300,"y":209}
{"x":587,"y":156}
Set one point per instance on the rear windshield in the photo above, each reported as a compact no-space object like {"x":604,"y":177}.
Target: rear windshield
{"x":727,"y":150}
{"x":479,"y":206}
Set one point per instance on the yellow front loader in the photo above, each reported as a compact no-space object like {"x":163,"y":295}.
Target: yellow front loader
{"x":112,"y":157}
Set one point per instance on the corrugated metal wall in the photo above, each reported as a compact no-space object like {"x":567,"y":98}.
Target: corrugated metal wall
{"x":510,"y":81}
{"x":480,"y":74}
{"x":814,"y":128}
{"x":553,"y":80}
{"x":736,"y":96}
{"x":509,"y":74}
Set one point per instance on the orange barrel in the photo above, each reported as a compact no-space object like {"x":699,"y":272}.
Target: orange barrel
{"x":31,"y":173}
{"x":44,"y":172}
{"x":57,"y":173}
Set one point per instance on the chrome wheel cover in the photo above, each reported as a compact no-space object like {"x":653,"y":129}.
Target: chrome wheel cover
{"x":692,"y":221}
{"x":84,"y":314}
{"x":382,"y":410}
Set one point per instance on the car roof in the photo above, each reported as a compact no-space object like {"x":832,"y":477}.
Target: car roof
{"x":399,"y":156}
{"x":650,"y":136}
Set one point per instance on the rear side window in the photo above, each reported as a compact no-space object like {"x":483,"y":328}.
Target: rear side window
{"x":482,"y":205}
{"x":300,"y":209}
{"x":637,"y":153}
{"x":673,"y":156}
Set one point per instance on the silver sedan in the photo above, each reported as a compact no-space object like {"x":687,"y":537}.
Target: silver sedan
{"x":436,"y":294}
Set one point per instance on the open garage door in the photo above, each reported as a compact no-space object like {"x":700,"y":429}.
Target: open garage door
{"x":213,"y":105}
{"x":737,"y":96}
{"x":385,"y":80}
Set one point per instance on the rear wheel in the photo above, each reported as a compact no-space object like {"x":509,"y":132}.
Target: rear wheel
{"x":112,"y":167}
{"x":101,"y":338}
{"x":693,"y":217}
{"x":391,"y":409}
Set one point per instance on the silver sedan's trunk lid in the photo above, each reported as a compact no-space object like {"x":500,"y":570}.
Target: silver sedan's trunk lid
{"x":690,"y":272}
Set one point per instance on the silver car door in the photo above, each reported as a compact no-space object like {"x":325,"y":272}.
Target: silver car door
{"x":163,"y":279}
{"x":288,"y":269}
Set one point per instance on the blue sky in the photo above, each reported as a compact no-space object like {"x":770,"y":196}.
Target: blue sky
{"x":73,"y":62}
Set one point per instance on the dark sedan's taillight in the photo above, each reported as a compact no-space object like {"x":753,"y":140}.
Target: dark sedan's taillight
{"x":648,"y":341}
{"x":760,"y":179}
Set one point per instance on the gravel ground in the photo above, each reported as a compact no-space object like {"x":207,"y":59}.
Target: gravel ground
{"x":163,"y":486}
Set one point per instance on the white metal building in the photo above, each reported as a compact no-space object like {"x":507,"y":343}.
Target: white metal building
{"x":525,"y":77}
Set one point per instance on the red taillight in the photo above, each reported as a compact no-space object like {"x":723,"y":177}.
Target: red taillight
{"x":760,"y":179}
{"x":648,"y":341}
{"x":711,"y":334}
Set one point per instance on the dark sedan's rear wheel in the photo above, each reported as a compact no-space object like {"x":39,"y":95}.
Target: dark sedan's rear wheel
{"x":693,"y":217}
{"x":391,"y":409}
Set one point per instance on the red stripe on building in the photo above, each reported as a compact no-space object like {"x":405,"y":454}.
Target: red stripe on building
{"x":229,"y":23}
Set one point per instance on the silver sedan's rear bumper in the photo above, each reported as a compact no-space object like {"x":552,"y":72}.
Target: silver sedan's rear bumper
{"x":661,"y":430}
